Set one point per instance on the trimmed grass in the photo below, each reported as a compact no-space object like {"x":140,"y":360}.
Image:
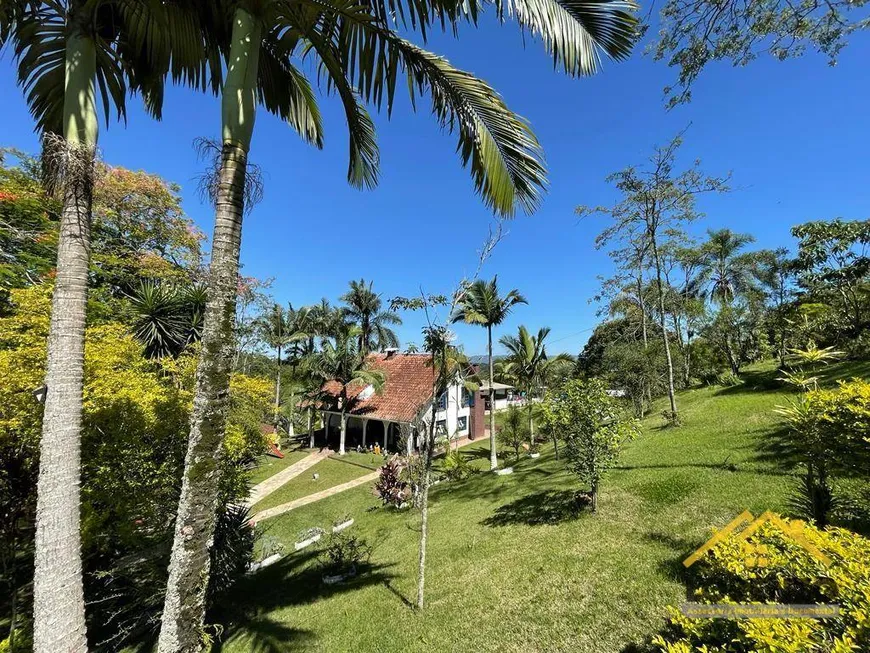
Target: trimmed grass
{"x":331,"y":472}
{"x":512,"y":565}
{"x":268,"y":466}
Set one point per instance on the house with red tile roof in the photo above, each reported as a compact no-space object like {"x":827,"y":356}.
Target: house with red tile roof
{"x":405,"y":400}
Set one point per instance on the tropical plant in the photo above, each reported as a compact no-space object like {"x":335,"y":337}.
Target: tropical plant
{"x":65,"y":51}
{"x":342,"y":363}
{"x":360,"y":56}
{"x":391,"y":486}
{"x":528,"y":366}
{"x":514,"y":432}
{"x":480,"y":303}
{"x":456,"y":466}
{"x":167,"y":318}
{"x":364,"y":308}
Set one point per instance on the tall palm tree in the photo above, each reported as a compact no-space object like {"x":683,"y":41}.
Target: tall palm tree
{"x":481,"y":304}
{"x":361,"y":57}
{"x":725,"y":269}
{"x":66,"y":50}
{"x":726,"y":272}
{"x":527,"y":364}
{"x":279,"y":328}
{"x":365,"y":309}
{"x":343,"y":362}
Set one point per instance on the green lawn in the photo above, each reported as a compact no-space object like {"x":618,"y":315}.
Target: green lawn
{"x":269,"y":465}
{"x":512,"y":566}
{"x":330,"y":471}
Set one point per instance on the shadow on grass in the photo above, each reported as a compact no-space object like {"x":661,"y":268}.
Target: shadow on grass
{"x":550,"y":507}
{"x":294,"y":580}
{"x":264,"y":635}
{"x":776,"y":449}
{"x":755,"y":381}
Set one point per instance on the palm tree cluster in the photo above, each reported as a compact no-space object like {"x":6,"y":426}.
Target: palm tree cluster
{"x":250,"y":54}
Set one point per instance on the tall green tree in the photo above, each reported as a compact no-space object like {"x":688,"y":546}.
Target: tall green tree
{"x":360,"y":56}
{"x":775,"y":271}
{"x":364,"y":307}
{"x":481,"y":304}
{"x":656,"y":201}
{"x":833,"y":262}
{"x":66,"y":51}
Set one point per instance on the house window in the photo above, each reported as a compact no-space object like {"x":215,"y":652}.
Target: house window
{"x":467,"y":398}
{"x":441,"y":427}
{"x":442,"y":402}
{"x":462,"y":423}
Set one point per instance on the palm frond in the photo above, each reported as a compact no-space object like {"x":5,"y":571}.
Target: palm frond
{"x":577,"y":32}
{"x":285,"y":92}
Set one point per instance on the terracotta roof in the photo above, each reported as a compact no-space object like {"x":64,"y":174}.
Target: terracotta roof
{"x":407,"y":388}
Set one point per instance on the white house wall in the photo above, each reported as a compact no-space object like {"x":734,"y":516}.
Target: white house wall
{"x":453,"y":411}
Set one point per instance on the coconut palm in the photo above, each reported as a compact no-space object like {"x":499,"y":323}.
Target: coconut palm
{"x":66,"y":50}
{"x":527,"y":363}
{"x":481,"y":304}
{"x":341,"y":361}
{"x":365,"y":309}
{"x":361,"y":58}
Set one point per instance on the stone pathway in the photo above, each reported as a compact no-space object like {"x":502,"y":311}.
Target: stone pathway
{"x":264,"y":489}
{"x":311,"y":498}
{"x":323,"y":494}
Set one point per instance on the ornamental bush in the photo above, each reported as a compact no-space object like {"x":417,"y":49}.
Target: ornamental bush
{"x":732,"y":573}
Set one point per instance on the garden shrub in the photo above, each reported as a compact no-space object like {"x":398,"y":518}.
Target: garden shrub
{"x":791,"y":574}
{"x":456,"y":466}
{"x":391,"y":486}
{"x":344,"y":554}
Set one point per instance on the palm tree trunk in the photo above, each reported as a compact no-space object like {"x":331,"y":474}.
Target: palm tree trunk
{"x":343,"y":433}
{"x":310,"y":428}
{"x":663,"y":324}
{"x":184,"y":605}
{"x":278,"y":387}
{"x":58,"y":597}
{"x":493,"y":455}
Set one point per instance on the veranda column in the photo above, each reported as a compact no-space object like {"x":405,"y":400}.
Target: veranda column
{"x":325,"y":429}
{"x":365,"y":427}
{"x":386,"y":434}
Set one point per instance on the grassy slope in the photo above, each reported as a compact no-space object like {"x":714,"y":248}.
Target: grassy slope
{"x":510,"y":567}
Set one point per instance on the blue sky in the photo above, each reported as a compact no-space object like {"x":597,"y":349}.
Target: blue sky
{"x":794,"y":134}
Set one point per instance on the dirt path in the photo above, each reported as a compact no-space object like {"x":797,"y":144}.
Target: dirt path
{"x":264,"y":489}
